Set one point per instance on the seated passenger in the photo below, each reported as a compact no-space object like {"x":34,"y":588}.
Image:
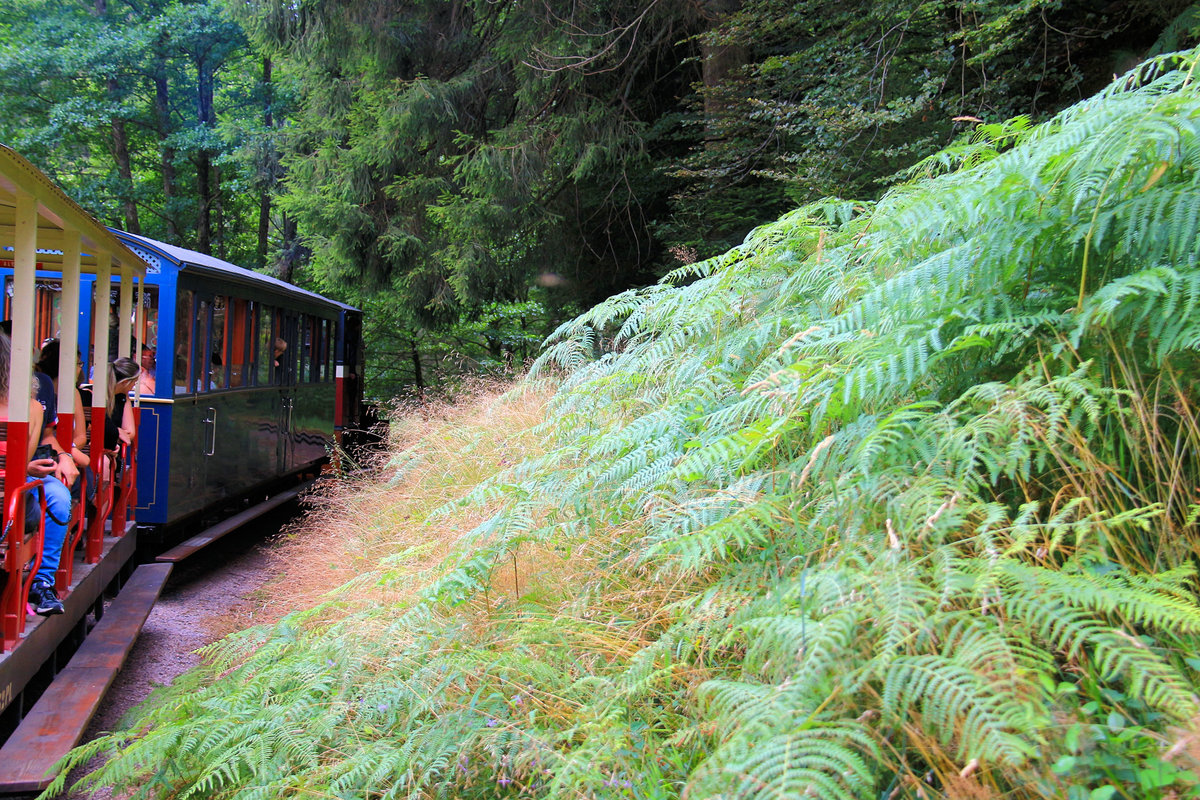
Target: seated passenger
{"x":146,"y":381}
{"x":278,"y":364}
{"x":216,"y":378}
{"x":58,"y":500}
{"x":47,"y":364}
{"x":118,"y":423}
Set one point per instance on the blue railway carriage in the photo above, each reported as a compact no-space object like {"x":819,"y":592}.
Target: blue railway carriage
{"x":247,"y":384}
{"x":250,"y":381}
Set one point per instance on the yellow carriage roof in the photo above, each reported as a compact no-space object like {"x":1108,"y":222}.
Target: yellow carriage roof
{"x":55,"y":213}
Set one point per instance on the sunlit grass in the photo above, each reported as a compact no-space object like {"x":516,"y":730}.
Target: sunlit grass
{"x":379,"y":519}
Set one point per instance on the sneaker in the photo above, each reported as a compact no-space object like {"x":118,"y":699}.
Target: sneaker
{"x":45,"y":600}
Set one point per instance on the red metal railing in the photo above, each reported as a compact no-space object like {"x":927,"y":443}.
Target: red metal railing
{"x":105,"y":469}
{"x":23,"y":549}
{"x":127,"y":494}
{"x":76,"y":527}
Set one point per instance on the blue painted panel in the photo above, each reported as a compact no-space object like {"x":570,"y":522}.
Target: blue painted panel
{"x":85,"y":322}
{"x":154,"y":444}
{"x":158,"y":412}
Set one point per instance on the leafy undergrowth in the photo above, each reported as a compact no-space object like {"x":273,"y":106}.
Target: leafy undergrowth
{"x":896,"y":500}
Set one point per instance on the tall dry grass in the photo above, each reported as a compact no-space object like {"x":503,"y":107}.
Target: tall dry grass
{"x":434,"y":452}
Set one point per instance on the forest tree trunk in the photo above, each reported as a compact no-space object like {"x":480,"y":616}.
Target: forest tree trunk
{"x":418,"y":374}
{"x":204,"y":220}
{"x":204,"y":182}
{"x":120,"y":145}
{"x":291,"y":252}
{"x":162,"y":111}
{"x":718,"y":61}
{"x":120,"y":140}
{"x":218,"y":215}
{"x":264,"y":197}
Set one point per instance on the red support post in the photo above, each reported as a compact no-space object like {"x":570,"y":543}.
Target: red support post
{"x":94,"y":546}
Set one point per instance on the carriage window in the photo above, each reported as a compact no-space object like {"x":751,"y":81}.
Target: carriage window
{"x":237,"y":350}
{"x":304,"y":342}
{"x":315,"y":374}
{"x":150,"y":318}
{"x":327,"y":345}
{"x":266,"y":341}
{"x":245,"y":312}
{"x":47,"y":307}
{"x":200,"y":361}
{"x":332,"y":358}
{"x":319,"y":351}
{"x":305,"y":349}
{"x":183,"y":341}
{"x":289,"y":332}
{"x":149,"y":331}
{"x":283,"y":354}
{"x":216,"y":345}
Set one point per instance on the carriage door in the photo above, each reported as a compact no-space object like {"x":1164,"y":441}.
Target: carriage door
{"x":205,"y":430}
{"x":289,"y":330}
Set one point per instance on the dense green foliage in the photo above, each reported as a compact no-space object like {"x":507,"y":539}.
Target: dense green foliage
{"x":895,"y":499}
{"x":476,"y":164}
{"x":836,"y":97}
{"x":473,"y":172}
{"x":463,"y":157}
{"x":149,"y":114}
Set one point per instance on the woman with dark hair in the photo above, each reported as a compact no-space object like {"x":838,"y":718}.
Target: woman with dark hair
{"x":119,"y":425}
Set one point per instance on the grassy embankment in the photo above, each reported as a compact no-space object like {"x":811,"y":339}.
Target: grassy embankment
{"x":895,"y":500}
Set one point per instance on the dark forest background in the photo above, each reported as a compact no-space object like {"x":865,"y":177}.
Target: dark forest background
{"x":473,"y":172}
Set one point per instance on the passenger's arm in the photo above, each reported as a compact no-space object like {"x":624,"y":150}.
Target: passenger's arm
{"x":128,"y":426}
{"x":79,"y":445}
{"x":64,"y":468}
{"x":41,"y":467}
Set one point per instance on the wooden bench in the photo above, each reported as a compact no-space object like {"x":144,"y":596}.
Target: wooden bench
{"x":57,"y":721}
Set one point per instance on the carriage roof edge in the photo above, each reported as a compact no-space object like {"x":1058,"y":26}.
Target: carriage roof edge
{"x":201,"y":262}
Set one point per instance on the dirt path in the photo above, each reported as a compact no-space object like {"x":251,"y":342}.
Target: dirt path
{"x":206,"y":596}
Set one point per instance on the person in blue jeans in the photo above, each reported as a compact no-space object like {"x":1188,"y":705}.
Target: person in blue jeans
{"x":56,"y":483}
{"x":42,"y":595}
{"x":57,"y":471}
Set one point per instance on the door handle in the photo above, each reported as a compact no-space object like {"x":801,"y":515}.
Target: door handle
{"x":212,"y":420}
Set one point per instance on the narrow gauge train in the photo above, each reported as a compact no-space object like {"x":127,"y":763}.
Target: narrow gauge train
{"x":248,"y":382}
